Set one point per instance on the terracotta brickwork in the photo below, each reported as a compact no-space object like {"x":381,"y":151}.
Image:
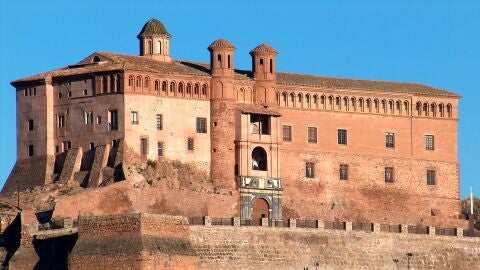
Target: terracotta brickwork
{"x":260,"y":133}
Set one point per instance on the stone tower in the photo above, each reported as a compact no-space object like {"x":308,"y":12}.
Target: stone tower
{"x":263,"y":68}
{"x":155,"y":41}
{"x":222,"y":114}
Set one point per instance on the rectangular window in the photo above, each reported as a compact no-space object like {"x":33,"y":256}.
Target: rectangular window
{"x":429,"y":142}
{"x":30,"y":124}
{"x":201,"y":125}
{"x":61,"y":120}
{"x":30,"y":150}
{"x":25,"y":92}
{"x":159,"y":122}
{"x":431,"y":177}
{"x":310,"y":170}
{"x":160,"y":149}
{"x":312,"y":135}
{"x":115,"y":143}
{"x":57,"y":149}
{"x":113,"y":120}
{"x":390,"y":140}
{"x":389,"y":175}
{"x":342,"y":136}
{"x":343,"y":172}
{"x":144,"y":146}
{"x":190,"y":144}
{"x":88,"y":118}
{"x":135,"y":118}
{"x":92,"y":146}
{"x":287,"y":133}
{"x":99,"y":120}
{"x":67,"y":145}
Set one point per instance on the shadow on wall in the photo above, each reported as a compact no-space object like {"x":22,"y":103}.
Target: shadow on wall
{"x":54,"y":252}
{"x":10,"y":240}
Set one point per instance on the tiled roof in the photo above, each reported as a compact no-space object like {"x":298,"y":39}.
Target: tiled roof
{"x":257,"y":109}
{"x":114,"y":61}
{"x":263,"y":48}
{"x":152,"y":28}
{"x":221,"y":44}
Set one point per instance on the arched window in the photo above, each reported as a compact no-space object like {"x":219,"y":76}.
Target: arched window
{"x":139,"y":81}
{"x":130,"y":80}
{"x":322,"y":100}
{"x":204,"y":89}
{"x":375,"y":105}
{"x":360,"y":104}
{"x":405,"y":107}
{"x":157,"y":86}
{"x":104,"y":84}
{"x":352,"y":103}
{"x":425,"y":109}
{"x":299,"y":98}
{"x":189,"y":88}
{"x":337,"y":102}
{"x":418,"y":108}
{"x":284,"y":99}
{"x":196,"y":89}
{"x":146,"y":83}
{"x":384,"y":105}
{"x":112,"y":83}
{"x":345,"y":102}
{"x":398,"y":107}
{"x":180,"y":88}
{"x":449,"y":110}
{"x":315,"y":101}
{"x":172,"y":87}
{"x":259,"y":159}
{"x":96,"y":59}
{"x":164,"y":86}
{"x":390,"y":106}
{"x":433,"y":110}
{"x":440,"y":110}
{"x":368,"y":104}
{"x":307,"y":100}
{"x":330,"y":102}
{"x":292,"y":99}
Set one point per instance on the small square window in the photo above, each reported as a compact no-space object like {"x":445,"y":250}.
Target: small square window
{"x":60,"y":95}
{"x":92,"y":146}
{"x":99,"y":120}
{"x":287,"y":133}
{"x":310,"y":170}
{"x":69,"y":94}
{"x":343,"y":172}
{"x":390,"y":140}
{"x":135,"y":118}
{"x":342,"y":136}
{"x":85,"y":92}
{"x":312,"y":135}
{"x":431,"y":181}
{"x":389,"y":175}
{"x":201,"y":125}
{"x":30,"y":124}
{"x":159,"y":122}
{"x":429,"y":142}
{"x":30,"y":150}
{"x":190,"y":145}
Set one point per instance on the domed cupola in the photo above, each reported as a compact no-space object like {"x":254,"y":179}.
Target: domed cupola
{"x":155,"y":41}
{"x":221,"y":57}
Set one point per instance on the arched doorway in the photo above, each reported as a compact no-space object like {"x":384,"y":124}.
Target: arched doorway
{"x":260,"y":210}
{"x":259,"y":159}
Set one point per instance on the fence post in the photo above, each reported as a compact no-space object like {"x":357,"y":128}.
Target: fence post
{"x":376,"y":227}
{"x":321,"y":225}
{"x":236,"y":221}
{"x":459,"y":232}
{"x":207,"y":221}
{"x":264,"y":222}
{"x":292,"y":223}
{"x":348,"y":226}
{"x":404,"y":228}
{"x":431,"y":230}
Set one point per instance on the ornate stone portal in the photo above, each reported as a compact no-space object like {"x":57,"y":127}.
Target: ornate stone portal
{"x":260,"y":188}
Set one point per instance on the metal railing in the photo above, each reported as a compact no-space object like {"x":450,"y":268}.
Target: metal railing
{"x":334,"y":225}
{"x":417,"y":229}
{"x":306,"y":223}
{"x":364,"y":227}
{"x":196,"y":221}
{"x":446,"y":231}
{"x":222,"y":222}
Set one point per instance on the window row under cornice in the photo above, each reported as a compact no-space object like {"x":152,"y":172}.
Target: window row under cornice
{"x":168,"y":88}
{"x":433,"y":109}
{"x":356,"y":104}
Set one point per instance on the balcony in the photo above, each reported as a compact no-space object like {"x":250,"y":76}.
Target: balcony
{"x":254,"y":182}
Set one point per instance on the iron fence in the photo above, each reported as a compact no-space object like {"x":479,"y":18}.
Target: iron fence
{"x":246,"y":222}
{"x":471,"y":233}
{"x":277,"y":223}
{"x":390,"y":228}
{"x":196,"y":221}
{"x":222,"y":222}
{"x":306,"y":223}
{"x":446,"y":231}
{"x":417,"y":229}
{"x":365,"y":227}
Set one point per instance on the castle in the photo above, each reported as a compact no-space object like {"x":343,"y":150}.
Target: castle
{"x":364,"y":148}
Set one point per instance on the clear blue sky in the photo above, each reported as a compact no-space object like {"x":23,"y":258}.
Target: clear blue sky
{"x":432,"y":42}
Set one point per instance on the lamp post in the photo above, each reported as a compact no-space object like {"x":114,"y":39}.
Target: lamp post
{"x":409,"y":255}
{"x":396,"y":262}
